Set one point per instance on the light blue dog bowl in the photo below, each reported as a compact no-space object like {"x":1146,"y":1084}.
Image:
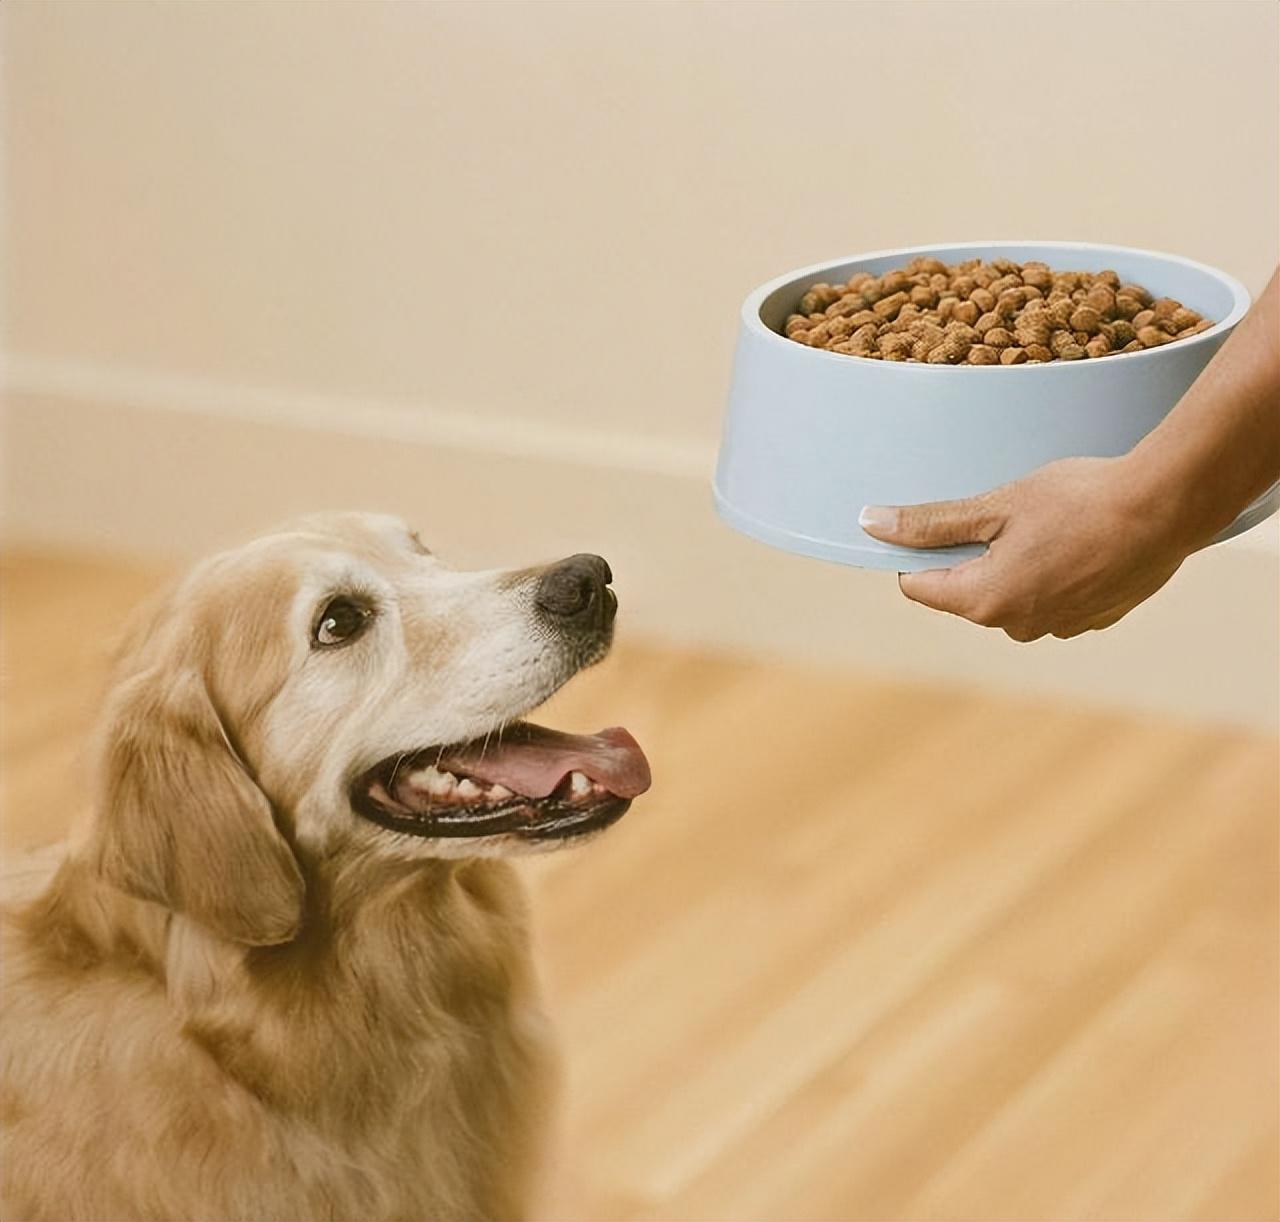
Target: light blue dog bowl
{"x":812,"y":436}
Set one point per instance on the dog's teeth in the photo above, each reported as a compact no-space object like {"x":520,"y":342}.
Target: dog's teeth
{"x":467,"y":788}
{"x":438,"y":783}
{"x":500,"y":793}
{"x":578,"y":784}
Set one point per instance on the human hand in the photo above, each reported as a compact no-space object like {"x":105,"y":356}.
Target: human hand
{"x":1073,"y":546}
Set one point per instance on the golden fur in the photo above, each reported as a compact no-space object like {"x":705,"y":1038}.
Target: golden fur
{"x":236,"y":1002}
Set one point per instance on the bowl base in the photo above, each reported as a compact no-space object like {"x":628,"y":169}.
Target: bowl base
{"x":861,"y":551}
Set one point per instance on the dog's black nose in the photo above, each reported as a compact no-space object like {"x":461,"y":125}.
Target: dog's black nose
{"x":575,"y":593}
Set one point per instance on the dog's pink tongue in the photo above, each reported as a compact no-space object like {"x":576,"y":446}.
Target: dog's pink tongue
{"x":533,"y":760}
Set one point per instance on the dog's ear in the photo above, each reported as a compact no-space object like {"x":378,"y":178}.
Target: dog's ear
{"x":182,"y":823}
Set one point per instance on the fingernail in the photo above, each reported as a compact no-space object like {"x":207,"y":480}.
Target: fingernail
{"x":878,"y":516}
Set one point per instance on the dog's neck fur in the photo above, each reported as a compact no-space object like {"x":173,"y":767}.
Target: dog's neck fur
{"x":404,"y":1011}
{"x":393,"y":959}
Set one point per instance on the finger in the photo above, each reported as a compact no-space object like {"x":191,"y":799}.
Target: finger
{"x":958,"y":590}
{"x":1101,"y":622}
{"x":936,"y":524}
{"x":1098,"y":622}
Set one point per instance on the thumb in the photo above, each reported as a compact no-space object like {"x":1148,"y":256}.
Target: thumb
{"x":977,"y":519}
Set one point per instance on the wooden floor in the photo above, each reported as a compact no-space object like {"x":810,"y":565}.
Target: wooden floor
{"x":867,"y":953}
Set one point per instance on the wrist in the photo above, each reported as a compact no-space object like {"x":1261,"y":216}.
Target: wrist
{"x":1175,"y":492}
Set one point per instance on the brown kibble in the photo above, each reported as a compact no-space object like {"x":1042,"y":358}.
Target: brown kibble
{"x":1060,"y":314}
{"x":926,"y":263}
{"x":1032,"y":329}
{"x":1008,"y":305}
{"x":1063,"y":345}
{"x":846,"y":306}
{"x":840,"y":328}
{"x":871,"y":291}
{"x":986,"y":313}
{"x":1037,"y":275}
{"x":961,"y":332}
{"x":1123,"y":332}
{"x":888,"y":307}
{"x":1102,"y":298}
{"x":894,"y":282}
{"x":818,"y":298}
{"x":929,"y":336}
{"x":949,"y":352}
{"x":984,"y":299}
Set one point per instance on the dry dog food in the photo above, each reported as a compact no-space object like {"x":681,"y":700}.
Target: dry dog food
{"x":980,"y":313}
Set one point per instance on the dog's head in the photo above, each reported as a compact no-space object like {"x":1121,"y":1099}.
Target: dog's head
{"x":334,"y":685}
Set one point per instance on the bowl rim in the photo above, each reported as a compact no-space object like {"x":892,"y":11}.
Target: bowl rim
{"x":751,"y":320}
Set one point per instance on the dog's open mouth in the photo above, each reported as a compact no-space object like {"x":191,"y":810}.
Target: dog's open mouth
{"x":530,"y":782}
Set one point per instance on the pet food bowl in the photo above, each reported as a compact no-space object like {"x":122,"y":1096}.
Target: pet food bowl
{"x":812,"y":436}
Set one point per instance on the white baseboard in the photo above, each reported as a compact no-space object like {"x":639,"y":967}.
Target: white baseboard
{"x":109,"y":459}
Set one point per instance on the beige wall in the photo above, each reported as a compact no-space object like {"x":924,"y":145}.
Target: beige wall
{"x":488,"y":232}
{"x":553,"y":210}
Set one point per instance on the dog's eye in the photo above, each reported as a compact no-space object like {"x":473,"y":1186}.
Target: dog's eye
{"x":343,"y":619}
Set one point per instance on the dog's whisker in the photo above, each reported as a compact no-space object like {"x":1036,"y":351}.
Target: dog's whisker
{"x":395,"y":768}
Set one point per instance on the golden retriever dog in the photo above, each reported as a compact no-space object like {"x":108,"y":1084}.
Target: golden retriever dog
{"x":284,"y":973}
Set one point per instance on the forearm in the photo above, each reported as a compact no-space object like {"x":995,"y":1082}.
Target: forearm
{"x":1219,"y":449}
